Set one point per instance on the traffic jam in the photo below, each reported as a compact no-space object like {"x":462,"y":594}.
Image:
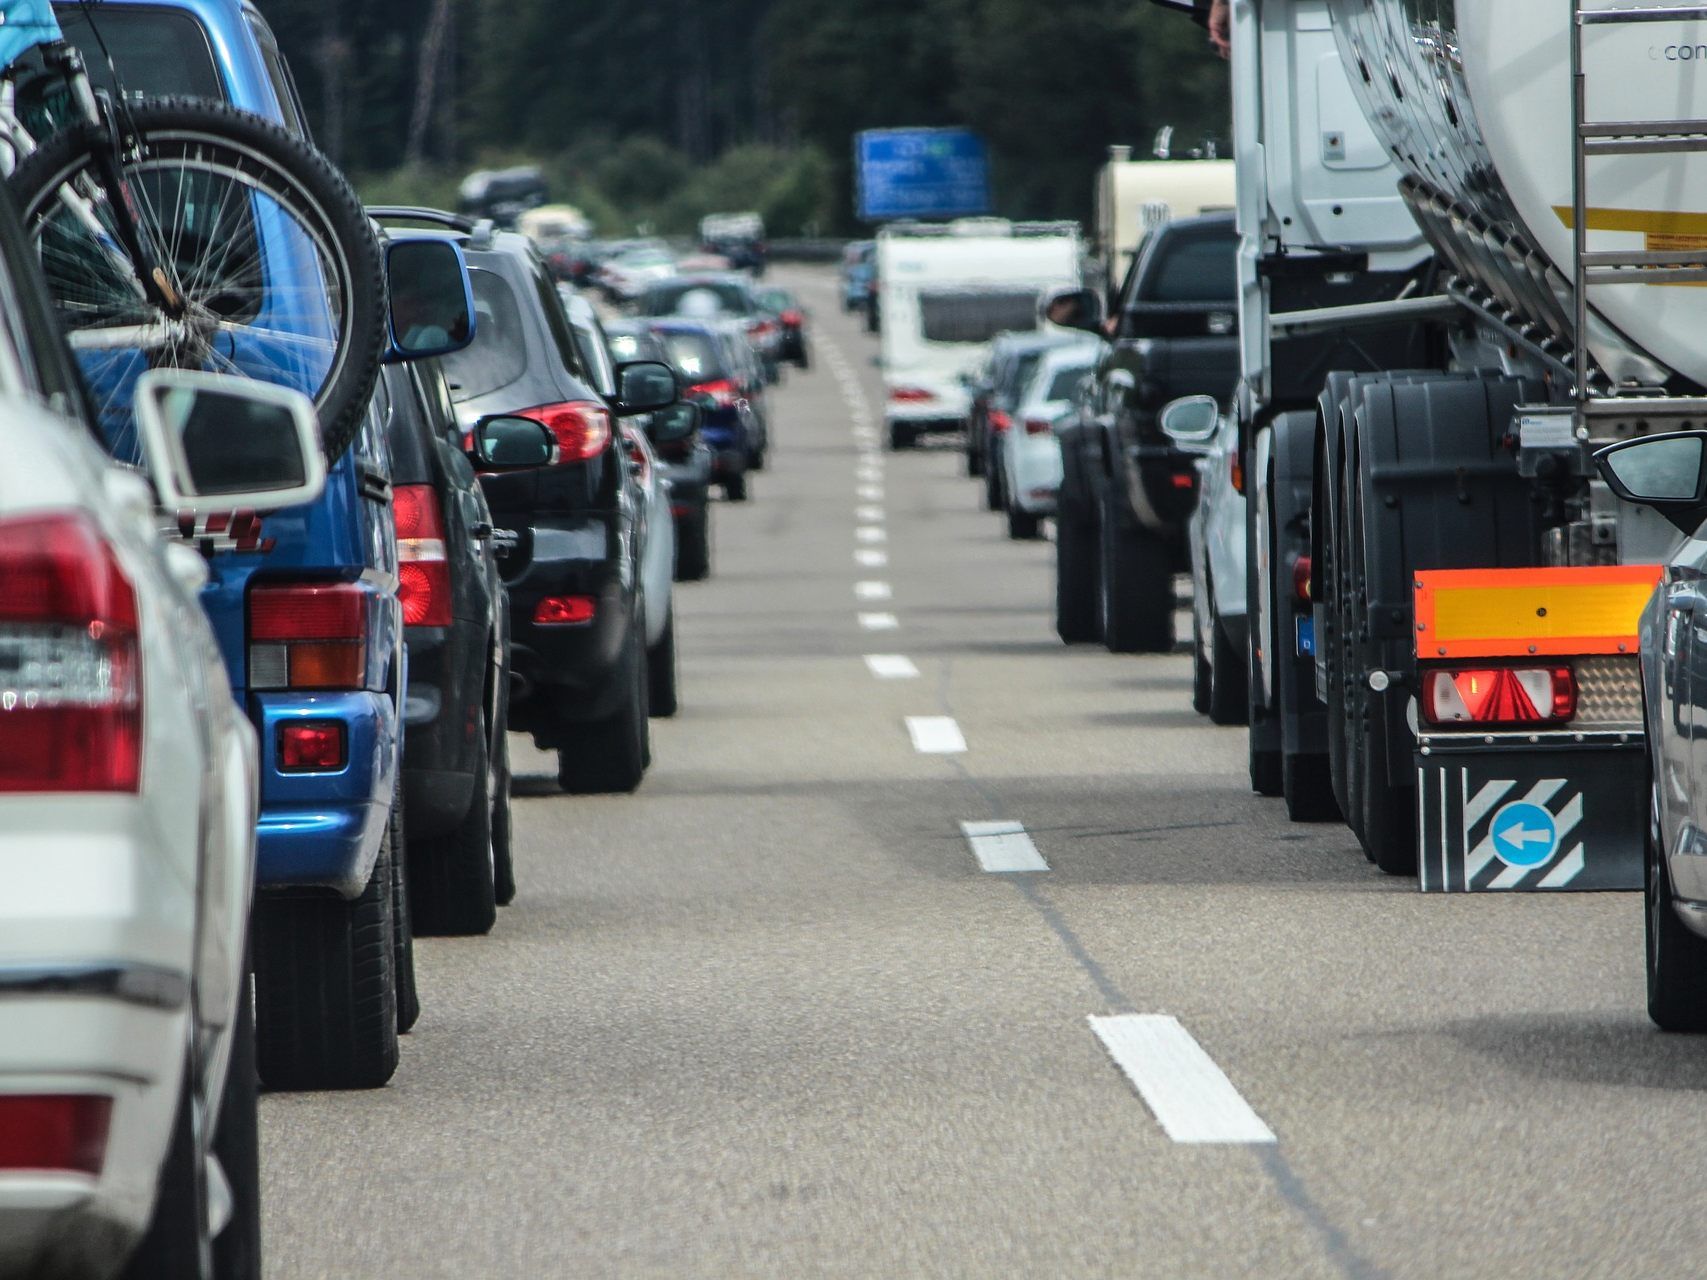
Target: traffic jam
{"x":533,"y":743}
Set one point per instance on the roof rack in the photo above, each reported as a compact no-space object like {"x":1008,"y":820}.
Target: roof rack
{"x":420,"y":213}
{"x":979,"y":227}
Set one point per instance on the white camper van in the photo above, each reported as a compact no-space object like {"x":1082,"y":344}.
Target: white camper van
{"x":946,"y":289}
{"x":1133,"y":197}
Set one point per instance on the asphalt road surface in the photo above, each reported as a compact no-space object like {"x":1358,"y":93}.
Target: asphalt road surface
{"x":771,"y":1016}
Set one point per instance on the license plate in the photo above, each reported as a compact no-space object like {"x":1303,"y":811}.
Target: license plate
{"x":1306,"y":637}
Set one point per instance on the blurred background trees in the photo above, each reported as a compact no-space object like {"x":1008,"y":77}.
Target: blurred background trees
{"x":651,"y":114}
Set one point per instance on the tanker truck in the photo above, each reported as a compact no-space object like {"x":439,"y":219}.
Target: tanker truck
{"x":1473,"y":237}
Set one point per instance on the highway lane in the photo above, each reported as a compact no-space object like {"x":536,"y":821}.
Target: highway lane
{"x":770,"y":1016}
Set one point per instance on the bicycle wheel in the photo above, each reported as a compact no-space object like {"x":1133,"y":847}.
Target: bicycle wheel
{"x":272,"y":267}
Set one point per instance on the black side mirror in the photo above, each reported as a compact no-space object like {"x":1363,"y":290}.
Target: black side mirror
{"x":642,"y":386}
{"x":673,"y":423}
{"x":1072,"y":309}
{"x":1665,"y":472}
{"x":432,"y":305}
{"x":505,"y":443}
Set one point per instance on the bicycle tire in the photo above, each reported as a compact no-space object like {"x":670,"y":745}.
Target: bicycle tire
{"x":300,"y":178}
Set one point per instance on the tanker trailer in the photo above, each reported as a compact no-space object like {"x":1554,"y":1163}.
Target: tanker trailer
{"x":1444,"y":598}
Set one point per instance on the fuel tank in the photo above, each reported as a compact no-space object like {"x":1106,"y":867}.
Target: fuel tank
{"x":1473,"y":100}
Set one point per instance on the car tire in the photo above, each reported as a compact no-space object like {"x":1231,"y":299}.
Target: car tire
{"x":661,"y":699}
{"x":1229,"y":685}
{"x":1137,"y":585}
{"x":176,"y":1244}
{"x":735,"y":489}
{"x":756,"y":460}
{"x":1676,"y":956}
{"x":974,"y":458}
{"x":1077,"y":618}
{"x":608,"y":756}
{"x":453,"y":877}
{"x":803,"y":360}
{"x":901,"y":436}
{"x":402,"y":928}
{"x":1200,"y":672}
{"x":503,"y":833}
{"x":995,"y":497}
{"x":326,"y":986}
{"x":237,"y":1146}
{"x":693,"y":546}
{"x":1023,"y":526}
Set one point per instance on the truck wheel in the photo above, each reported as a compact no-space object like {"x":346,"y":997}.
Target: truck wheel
{"x":1023,"y":526}
{"x":661,"y":672}
{"x":402,"y":927}
{"x":326,"y":986}
{"x":609,"y":755}
{"x":693,"y":546}
{"x":176,"y":1245}
{"x":1308,"y":790}
{"x":1267,"y":768}
{"x":237,"y":1146}
{"x":1229,"y":687}
{"x":1077,"y":616}
{"x":1677,"y":956}
{"x":735,"y":488}
{"x":453,"y":878}
{"x":1137,"y":584}
{"x":901,"y":436}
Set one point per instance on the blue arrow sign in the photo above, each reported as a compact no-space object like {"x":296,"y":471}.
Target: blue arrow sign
{"x":1524,"y":834}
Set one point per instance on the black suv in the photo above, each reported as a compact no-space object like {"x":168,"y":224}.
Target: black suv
{"x":456,"y":760}
{"x":1127,"y":489}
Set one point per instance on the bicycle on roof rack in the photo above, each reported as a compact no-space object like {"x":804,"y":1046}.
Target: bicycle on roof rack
{"x":185,"y":233}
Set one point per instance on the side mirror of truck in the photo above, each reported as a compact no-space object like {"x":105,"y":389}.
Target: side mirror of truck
{"x":1666,"y":472}
{"x":1072,"y":309}
{"x":431,"y":309}
{"x":216,"y":444}
{"x":1191,"y":421}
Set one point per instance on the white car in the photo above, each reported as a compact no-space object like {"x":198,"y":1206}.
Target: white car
{"x":657,"y":569}
{"x":128,"y":799}
{"x":1030,"y":456}
{"x":626,"y":277}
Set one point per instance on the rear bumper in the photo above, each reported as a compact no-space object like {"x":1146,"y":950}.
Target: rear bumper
{"x":1034,"y":472}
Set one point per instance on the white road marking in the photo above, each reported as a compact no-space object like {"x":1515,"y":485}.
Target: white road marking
{"x":1191,"y":1097}
{"x":891,"y":666}
{"x":879,"y":621}
{"x":870,"y":492}
{"x":869,"y":559}
{"x":1002,"y":846}
{"x":871,"y":533}
{"x":873,"y":590}
{"x":869,"y":515}
{"x":936,"y":735}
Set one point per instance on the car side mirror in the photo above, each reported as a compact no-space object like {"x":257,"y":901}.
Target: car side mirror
{"x":642,"y":386}
{"x":673,"y":423}
{"x":1191,"y":420}
{"x":1072,"y":309}
{"x":431,"y":310}
{"x":216,"y":444}
{"x":504,"y":443}
{"x":1665,"y":472}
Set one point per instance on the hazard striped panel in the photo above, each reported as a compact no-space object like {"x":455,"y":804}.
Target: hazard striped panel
{"x":1520,"y":613}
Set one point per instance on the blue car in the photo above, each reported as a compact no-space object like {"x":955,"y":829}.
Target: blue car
{"x":306,"y":610}
{"x":717,"y":372}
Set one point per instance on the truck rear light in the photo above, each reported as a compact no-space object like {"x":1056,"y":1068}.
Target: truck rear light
{"x":1302,"y":568}
{"x":70,"y":669}
{"x":423,"y":570}
{"x":722,"y":391}
{"x":307,"y":746}
{"x":565,"y":611}
{"x":910,"y":395}
{"x":582,"y":428}
{"x":1492,"y":696}
{"x":307,"y":636}
{"x":999,"y":421}
{"x":56,"y":1132}
{"x":1038,"y":426}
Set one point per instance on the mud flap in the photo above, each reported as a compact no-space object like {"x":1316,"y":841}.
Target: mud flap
{"x":1552,"y":818}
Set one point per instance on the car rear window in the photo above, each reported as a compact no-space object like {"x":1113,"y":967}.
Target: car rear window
{"x":694,"y":356}
{"x":1066,"y":382}
{"x":976,"y":315}
{"x":159,"y":52}
{"x":1198,"y":270}
{"x":664,"y":299}
{"x":498,"y":355}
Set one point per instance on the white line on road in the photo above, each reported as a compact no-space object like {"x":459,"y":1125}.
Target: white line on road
{"x":1191,"y":1097}
{"x":871,"y":533}
{"x":869,"y":559}
{"x":935,"y":735}
{"x":891,"y":666}
{"x":1002,"y":846}
{"x":870,"y":492}
{"x":873,"y":590}
{"x":869,"y":515}
{"x":879,"y":621}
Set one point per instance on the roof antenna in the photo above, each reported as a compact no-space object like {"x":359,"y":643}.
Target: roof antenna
{"x":1163,"y":149}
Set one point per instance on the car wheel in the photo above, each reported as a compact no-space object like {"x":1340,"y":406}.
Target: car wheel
{"x":1200,"y":673}
{"x":803,"y":360}
{"x":1077,"y":619}
{"x":993,"y":486}
{"x":974,"y":456}
{"x":1023,"y":526}
{"x":735,"y":488}
{"x":693,"y":546}
{"x":756,"y":460}
{"x":503,"y":859}
{"x":1229,"y":688}
{"x":402,"y":927}
{"x":176,"y":1245}
{"x":661,"y":672}
{"x":453,"y":878}
{"x":1677,"y":956}
{"x":609,"y":755}
{"x":326,"y":986}
{"x":237,"y":1146}
{"x":901,"y":436}
{"x":1137,"y":584}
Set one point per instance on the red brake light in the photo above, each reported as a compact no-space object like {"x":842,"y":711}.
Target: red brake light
{"x":70,"y":669}
{"x":909,"y":395}
{"x":565,"y":611}
{"x":999,"y":421}
{"x":582,"y":428}
{"x":1038,"y":426}
{"x":423,"y":571}
{"x":311,"y":746}
{"x":307,"y":636}
{"x":1488,"y":696}
{"x":792,"y":318}
{"x":59,"y":1132}
{"x":1301,"y":571}
{"x":1184,"y":479}
{"x":722,"y":391}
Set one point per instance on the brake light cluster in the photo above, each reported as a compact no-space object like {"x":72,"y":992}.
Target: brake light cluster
{"x":910,"y":395}
{"x":307,"y":636}
{"x":722,"y":392}
{"x":1000,"y":421}
{"x":54,"y":1132}
{"x":792,"y":318}
{"x":70,"y":671}
{"x":1038,"y":426}
{"x":423,"y":569}
{"x":582,"y":428}
{"x":1488,"y":697}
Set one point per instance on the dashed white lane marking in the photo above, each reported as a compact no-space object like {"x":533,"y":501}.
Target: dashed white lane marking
{"x":873,"y":590}
{"x":869,"y":492}
{"x":891,"y":666}
{"x":935,"y":735}
{"x":871,"y":533}
{"x":1191,"y":1097}
{"x":1002,"y":846}
{"x":869,"y":559}
{"x":869,"y":515}
{"x":879,"y":621}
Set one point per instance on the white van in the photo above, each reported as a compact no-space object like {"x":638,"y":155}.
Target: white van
{"x":946,"y":289}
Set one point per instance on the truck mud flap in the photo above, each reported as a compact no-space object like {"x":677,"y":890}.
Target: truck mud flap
{"x":1559,"y":818}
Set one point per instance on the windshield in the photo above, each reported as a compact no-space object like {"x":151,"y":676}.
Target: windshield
{"x":498,"y":354}
{"x":665,"y":299}
{"x":694,"y":355}
{"x":1199,"y":270}
{"x":1066,"y":382}
{"x":975,"y":315}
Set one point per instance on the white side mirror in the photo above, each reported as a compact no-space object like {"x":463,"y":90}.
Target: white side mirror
{"x":1191,"y":420}
{"x":215,"y":444}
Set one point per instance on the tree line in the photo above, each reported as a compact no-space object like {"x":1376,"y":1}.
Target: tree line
{"x":656,"y":112}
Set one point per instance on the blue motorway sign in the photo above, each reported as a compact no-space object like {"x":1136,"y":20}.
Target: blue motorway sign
{"x":921,"y":173}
